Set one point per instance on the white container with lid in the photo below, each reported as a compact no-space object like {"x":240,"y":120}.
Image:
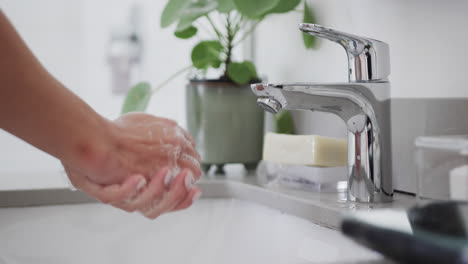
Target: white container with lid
{"x":442,"y":163}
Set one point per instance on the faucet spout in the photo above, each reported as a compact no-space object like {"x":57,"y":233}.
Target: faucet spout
{"x":365,"y":108}
{"x":368,"y":59}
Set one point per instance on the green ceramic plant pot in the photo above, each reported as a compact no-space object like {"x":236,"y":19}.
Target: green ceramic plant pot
{"x":226,"y":123}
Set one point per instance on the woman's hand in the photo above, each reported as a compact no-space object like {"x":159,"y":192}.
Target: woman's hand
{"x":136,"y":194}
{"x":151,"y":166}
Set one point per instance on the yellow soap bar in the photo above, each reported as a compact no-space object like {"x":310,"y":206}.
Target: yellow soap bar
{"x":308,"y":150}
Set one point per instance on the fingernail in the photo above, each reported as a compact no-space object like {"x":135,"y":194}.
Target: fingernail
{"x":170,"y":175}
{"x":167,"y":178}
{"x":193,"y":160}
{"x":141,"y":184}
{"x":196,"y":196}
{"x":138,"y":188}
{"x":189,"y":181}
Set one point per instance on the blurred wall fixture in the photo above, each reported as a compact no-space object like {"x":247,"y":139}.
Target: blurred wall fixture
{"x":125,"y":51}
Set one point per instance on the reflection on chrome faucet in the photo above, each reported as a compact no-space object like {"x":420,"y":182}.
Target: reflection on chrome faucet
{"x":363,"y":104}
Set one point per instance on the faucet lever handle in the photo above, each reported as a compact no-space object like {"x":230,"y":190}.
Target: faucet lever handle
{"x":368,"y":59}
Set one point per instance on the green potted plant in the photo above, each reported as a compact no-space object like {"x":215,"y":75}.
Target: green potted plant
{"x":222,"y":114}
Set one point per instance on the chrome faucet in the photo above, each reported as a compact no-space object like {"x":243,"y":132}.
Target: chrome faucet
{"x":363,"y":103}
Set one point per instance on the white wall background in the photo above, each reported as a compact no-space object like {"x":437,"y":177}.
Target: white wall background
{"x":427,"y":40}
{"x":55,"y":36}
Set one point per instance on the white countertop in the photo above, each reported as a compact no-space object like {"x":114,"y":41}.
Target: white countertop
{"x":33,"y":180}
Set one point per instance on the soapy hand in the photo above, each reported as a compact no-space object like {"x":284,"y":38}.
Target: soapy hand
{"x":148,"y":143}
{"x":151,"y":198}
{"x":151,"y":167}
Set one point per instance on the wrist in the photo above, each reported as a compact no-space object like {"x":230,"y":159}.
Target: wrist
{"x":93,"y":150}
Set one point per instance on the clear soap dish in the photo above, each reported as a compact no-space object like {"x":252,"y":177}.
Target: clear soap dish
{"x":319,"y":179}
{"x":442,"y":163}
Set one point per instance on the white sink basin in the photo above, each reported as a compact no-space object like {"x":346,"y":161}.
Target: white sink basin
{"x":212,"y":231}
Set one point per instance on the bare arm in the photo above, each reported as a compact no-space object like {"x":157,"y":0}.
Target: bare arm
{"x":37,"y":108}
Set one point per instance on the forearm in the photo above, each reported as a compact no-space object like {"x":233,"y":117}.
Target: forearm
{"x":37,"y":108}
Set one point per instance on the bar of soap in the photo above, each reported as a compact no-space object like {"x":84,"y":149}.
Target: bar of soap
{"x":459,"y":183}
{"x":308,"y":150}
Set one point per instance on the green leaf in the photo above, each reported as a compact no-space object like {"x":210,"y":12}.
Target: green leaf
{"x":225,"y":6}
{"x":187,"y":33}
{"x":309,"y":17}
{"x":207,"y":54}
{"x":137,"y":98}
{"x":284,"y":122}
{"x":255,"y":9}
{"x":193,"y":12}
{"x":172,"y":11}
{"x":285,"y":6}
{"x":252,"y":68}
{"x":241,"y":73}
